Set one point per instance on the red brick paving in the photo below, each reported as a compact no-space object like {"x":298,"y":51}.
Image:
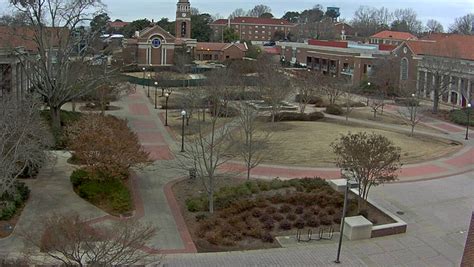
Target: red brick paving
{"x":284,"y":172}
{"x":138,"y":125}
{"x":462,"y":160}
{"x":425,"y":170}
{"x":139,"y":109}
{"x":151,"y":137}
{"x":189,"y":246}
{"x":159,"y":152}
{"x":447,"y":127}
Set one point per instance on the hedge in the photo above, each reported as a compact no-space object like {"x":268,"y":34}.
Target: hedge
{"x":334,"y":109}
{"x":459,"y":116}
{"x":293,"y":116}
{"x":13,"y":201}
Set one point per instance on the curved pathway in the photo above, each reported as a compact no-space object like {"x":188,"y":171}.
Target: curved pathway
{"x":156,"y":205}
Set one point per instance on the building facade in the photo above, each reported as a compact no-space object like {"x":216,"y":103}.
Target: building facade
{"x":219,"y":51}
{"x":440,"y":65}
{"x":391,"y":37}
{"x":337,"y":58}
{"x":257,"y":30}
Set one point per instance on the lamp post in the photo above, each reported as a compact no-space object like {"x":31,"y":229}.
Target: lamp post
{"x":183,"y":115}
{"x":148,"y":83}
{"x":167,"y":95}
{"x":368,"y":88}
{"x":144,"y":76}
{"x":468,"y":120}
{"x":349,"y":184}
{"x":156,"y":94}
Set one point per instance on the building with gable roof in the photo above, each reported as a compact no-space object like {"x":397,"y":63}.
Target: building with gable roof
{"x":257,"y":30}
{"x":391,"y":37}
{"x":445,"y":57}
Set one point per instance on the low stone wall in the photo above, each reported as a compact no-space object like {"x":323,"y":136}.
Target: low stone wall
{"x":398,"y":227}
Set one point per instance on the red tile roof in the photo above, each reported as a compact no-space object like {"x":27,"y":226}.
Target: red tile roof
{"x":252,"y":20}
{"x":394,"y":35}
{"x":453,"y":46}
{"x":118,"y":24}
{"x":386,"y":47}
{"x":272,"y":50}
{"x":218,"y":46}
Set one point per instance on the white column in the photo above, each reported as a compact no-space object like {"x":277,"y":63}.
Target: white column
{"x":468,"y":91}
{"x":459,"y":91}
{"x":424,"y":84}
{"x":433,"y":83}
{"x":450,"y":88}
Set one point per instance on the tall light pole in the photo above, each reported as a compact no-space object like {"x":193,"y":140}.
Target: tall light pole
{"x":148,"y":83}
{"x":167,"y":95}
{"x":468,"y":120}
{"x":343,"y":219}
{"x":144,"y":76}
{"x":156,"y":94}
{"x":183,"y":115}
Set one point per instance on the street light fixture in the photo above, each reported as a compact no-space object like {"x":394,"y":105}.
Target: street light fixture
{"x":468,"y":120}
{"x":167,"y":95}
{"x":183,"y":115}
{"x":349,"y":184}
{"x":144,"y":76}
{"x":148,"y":83}
{"x":156,"y":94}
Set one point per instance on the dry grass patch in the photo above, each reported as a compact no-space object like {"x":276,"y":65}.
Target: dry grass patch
{"x":308,"y":143}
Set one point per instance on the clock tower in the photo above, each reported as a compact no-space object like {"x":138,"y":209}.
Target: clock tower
{"x":183,"y":19}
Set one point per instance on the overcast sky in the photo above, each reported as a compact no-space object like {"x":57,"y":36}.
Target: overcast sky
{"x":442,"y":10}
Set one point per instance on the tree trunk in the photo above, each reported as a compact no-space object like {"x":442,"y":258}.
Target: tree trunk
{"x":435,"y":103}
{"x":375,"y":113}
{"x":73,"y":106}
{"x":55,"y":118}
{"x":211,"y":200}
{"x":412,"y":129}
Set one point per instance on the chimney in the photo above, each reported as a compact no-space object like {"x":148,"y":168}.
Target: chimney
{"x":137,"y":34}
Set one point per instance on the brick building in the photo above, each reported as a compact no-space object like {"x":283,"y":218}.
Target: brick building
{"x":219,"y":51}
{"x":154,"y":46}
{"x":391,"y":37}
{"x":448,"y":55}
{"x":338,"y":58}
{"x":17,"y":43}
{"x":257,"y":30}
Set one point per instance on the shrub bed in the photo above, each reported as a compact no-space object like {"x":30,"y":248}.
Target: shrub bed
{"x":293,"y":116}
{"x":314,"y":100}
{"x":259,"y":210}
{"x":108,"y":193}
{"x":334,"y":109}
{"x":459,"y":116}
{"x":67,"y":118}
{"x":12,"y":202}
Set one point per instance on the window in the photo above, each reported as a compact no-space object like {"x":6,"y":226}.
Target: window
{"x":404,"y":69}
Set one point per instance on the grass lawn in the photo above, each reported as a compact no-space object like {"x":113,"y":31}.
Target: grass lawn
{"x":308,"y":143}
{"x":366,"y":113}
{"x":111,"y":195}
{"x":175,"y":123}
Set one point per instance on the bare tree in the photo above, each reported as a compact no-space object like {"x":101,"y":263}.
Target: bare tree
{"x":250,"y":141}
{"x":434,"y":26}
{"x":68,"y":239}
{"x":208,"y":149}
{"x":23,"y":139}
{"x":408,"y":17}
{"x":274,"y":89}
{"x":258,"y":10}
{"x":334,"y":87}
{"x":375,"y":104}
{"x":239,"y":12}
{"x":306,"y":87}
{"x":463,"y":25}
{"x":372,"y":159}
{"x":410,"y":113}
{"x":59,"y":72}
{"x":440,"y":71}
{"x":367,"y":20}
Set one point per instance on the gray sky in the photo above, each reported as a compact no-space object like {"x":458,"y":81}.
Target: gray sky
{"x":442,"y":10}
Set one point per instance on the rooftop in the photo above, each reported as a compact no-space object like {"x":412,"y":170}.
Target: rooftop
{"x":445,"y":45}
{"x":252,"y":20}
{"x":219,"y":46}
{"x":394,"y":35}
